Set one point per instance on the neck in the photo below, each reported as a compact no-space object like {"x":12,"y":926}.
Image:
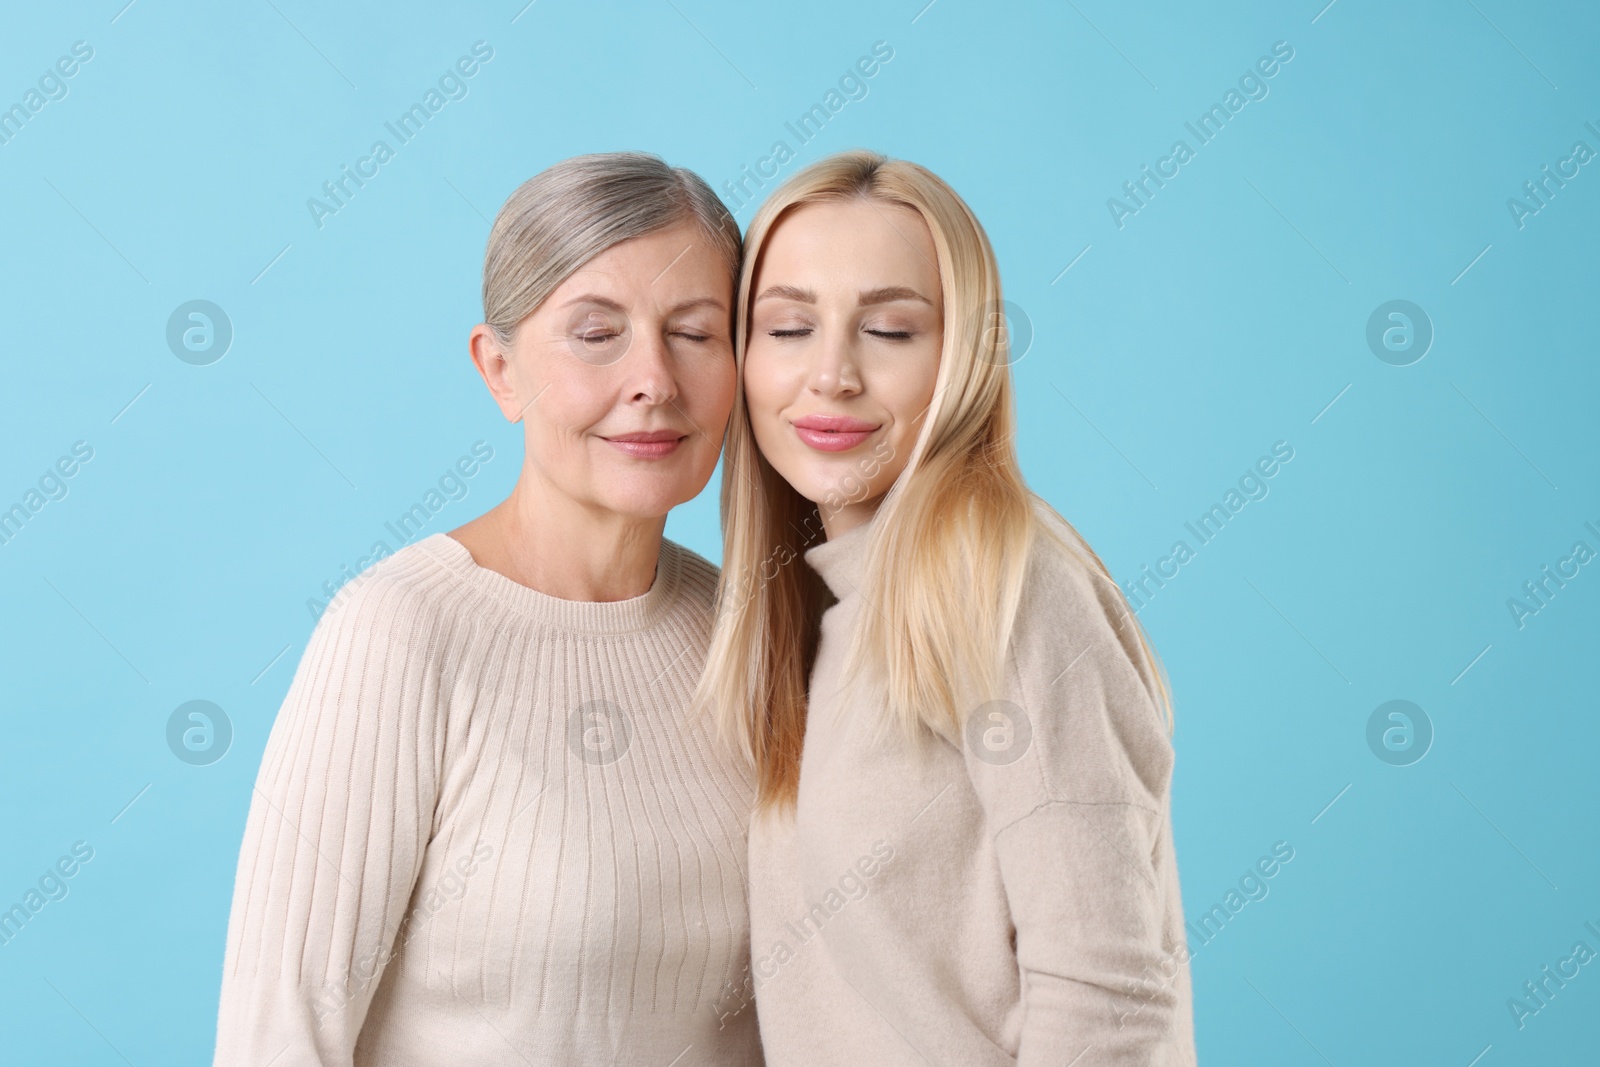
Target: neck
{"x":546,"y":539}
{"x":843,"y":519}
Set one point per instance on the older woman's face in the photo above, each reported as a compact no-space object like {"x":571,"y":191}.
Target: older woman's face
{"x":624,"y":376}
{"x":846,"y":325}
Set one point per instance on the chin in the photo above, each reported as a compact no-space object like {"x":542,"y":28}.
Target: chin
{"x":828,"y":477}
{"x":641,"y":507}
{"x":651,"y":497}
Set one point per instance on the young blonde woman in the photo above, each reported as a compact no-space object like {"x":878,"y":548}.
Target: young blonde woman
{"x":484,"y":830}
{"x":962,"y":852}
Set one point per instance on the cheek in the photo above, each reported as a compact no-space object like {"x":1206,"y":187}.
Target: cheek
{"x":709,"y":389}
{"x":567,"y":408}
{"x":928,"y":377}
{"x":906,"y":395}
{"x":763,"y":388}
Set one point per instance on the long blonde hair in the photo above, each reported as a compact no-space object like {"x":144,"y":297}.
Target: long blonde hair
{"x":958,"y":522}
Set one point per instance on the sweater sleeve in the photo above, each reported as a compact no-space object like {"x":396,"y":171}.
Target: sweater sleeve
{"x":339,"y":818}
{"x":1073,"y":773}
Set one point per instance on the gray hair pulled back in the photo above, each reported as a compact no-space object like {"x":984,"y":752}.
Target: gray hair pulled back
{"x":570,"y":212}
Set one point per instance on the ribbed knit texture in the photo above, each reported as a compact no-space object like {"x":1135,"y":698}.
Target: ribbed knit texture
{"x":1011,"y":901}
{"x":484,"y":831}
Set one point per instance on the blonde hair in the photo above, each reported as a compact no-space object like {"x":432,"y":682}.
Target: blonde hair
{"x":959,"y":517}
{"x":572,"y":211}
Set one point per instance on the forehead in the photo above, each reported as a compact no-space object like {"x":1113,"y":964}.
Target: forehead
{"x":856,"y":244}
{"x":658,"y":266}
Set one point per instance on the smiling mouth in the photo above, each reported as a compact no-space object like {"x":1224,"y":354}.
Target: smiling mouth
{"x":649,"y":445}
{"x":833,"y":435}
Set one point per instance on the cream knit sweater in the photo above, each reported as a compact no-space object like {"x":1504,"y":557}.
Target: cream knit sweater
{"x":483,"y":832}
{"x":1014,"y":900}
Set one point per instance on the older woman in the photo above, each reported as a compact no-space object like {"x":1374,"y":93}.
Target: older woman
{"x":484,"y":830}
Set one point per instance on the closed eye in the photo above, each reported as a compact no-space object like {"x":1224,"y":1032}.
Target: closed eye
{"x":892,"y":335}
{"x":697,"y":337}
{"x":798,"y":332}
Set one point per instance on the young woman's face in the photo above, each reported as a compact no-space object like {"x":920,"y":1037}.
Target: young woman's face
{"x":845,"y":329}
{"x":637,"y":341}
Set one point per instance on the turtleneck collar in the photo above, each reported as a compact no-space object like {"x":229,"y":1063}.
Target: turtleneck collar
{"x":841,"y":561}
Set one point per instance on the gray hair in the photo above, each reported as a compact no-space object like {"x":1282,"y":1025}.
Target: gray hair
{"x":570,"y":212}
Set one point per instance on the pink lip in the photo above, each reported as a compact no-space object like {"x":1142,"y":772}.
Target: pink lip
{"x":649,"y":444}
{"x":833,"y":433}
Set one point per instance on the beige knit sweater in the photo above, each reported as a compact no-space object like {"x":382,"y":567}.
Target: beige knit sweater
{"x":1014,"y":900}
{"x":483,"y":832}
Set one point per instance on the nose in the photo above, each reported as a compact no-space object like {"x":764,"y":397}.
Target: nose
{"x":651,"y":376}
{"x":833,"y":370}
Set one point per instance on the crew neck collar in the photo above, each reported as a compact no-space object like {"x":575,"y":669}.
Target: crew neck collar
{"x":580,"y":616}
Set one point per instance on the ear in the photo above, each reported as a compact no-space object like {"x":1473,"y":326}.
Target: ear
{"x":494,"y":364}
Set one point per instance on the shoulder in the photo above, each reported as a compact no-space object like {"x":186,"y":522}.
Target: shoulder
{"x":1066,"y":594}
{"x":696,"y":576}
{"x":375,"y":662}
{"x":1084,"y":678}
{"x":400,"y":603}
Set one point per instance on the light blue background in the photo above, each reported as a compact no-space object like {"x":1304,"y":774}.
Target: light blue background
{"x":1223,"y":317}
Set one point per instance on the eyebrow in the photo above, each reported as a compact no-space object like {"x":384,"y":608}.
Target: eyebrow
{"x":595,"y":298}
{"x":787,"y":292}
{"x":889,"y":294}
{"x":699,"y":302}
{"x":883,"y":295}
{"x":612,"y":305}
